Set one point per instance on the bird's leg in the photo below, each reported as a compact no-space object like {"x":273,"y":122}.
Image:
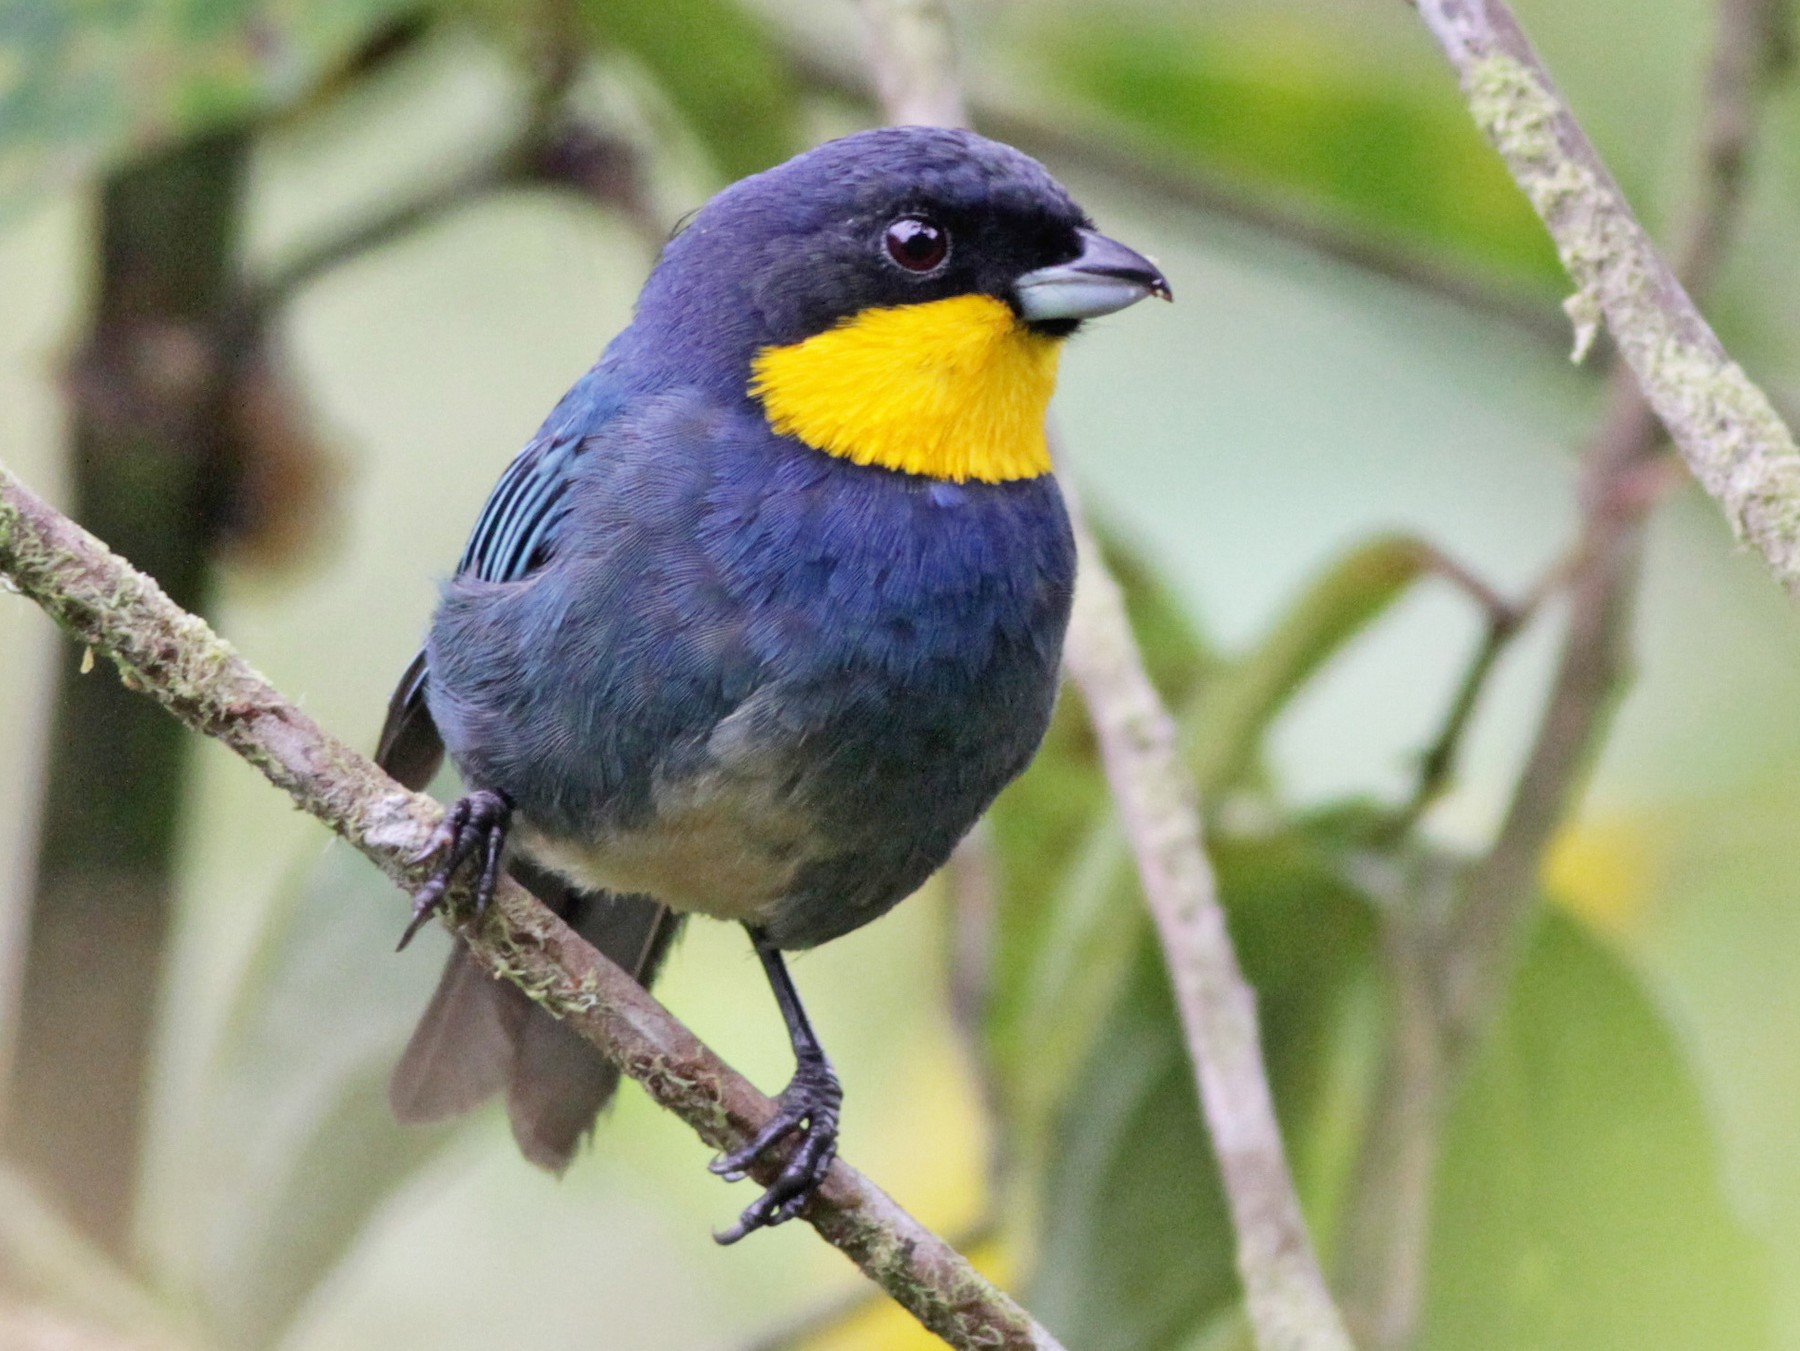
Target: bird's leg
{"x":475,"y":826}
{"x":809,"y":1105}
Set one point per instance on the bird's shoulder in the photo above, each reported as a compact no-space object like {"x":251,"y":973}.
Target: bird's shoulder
{"x":677,"y":497}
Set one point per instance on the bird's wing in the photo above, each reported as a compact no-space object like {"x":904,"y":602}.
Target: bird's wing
{"x":516,"y":531}
{"x":513,"y":537}
{"x":410,"y":748}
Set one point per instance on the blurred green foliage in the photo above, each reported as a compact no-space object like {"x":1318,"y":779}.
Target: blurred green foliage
{"x":1580,"y":1203}
{"x":83,"y":85}
{"x":1582,"y":1200}
{"x":715,"y":63}
{"x":1135,"y":1245}
{"x":1283,"y":103}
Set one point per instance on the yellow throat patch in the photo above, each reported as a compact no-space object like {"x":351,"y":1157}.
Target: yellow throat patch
{"x":953,"y":389}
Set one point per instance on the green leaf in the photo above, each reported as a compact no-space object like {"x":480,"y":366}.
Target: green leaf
{"x":303,"y":1148}
{"x":1135,"y":1248}
{"x":1580,"y":1205}
{"x":1069,"y":915}
{"x":83,"y":85}
{"x":1225,"y":726}
{"x":716,"y":63}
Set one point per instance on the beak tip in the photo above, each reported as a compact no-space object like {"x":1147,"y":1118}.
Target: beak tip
{"x":1104,"y":278}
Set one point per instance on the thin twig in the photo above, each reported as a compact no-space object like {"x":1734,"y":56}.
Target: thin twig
{"x":550,"y":147}
{"x":1504,"y":621}
{"x":1452,"y":963}
{"x":1284,"y":1290}
{"x":472,"y":185}
{"x":173,"y":657}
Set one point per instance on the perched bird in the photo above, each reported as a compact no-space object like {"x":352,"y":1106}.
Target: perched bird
{"x":770,"y":608}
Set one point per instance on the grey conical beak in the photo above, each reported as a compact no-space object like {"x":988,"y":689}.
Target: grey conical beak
{"x":1105,"y":277}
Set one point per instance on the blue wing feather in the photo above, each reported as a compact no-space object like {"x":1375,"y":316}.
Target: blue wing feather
{"x":513,"y":537}
{"x":515,"y":533}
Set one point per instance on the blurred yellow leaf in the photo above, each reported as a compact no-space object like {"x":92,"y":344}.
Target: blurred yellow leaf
{"x":1607,"y":871}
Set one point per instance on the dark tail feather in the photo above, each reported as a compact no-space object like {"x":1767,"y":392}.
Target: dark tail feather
{"x":478,"y":1035}
{"x":410,"y":748}
{"x":560,"y":1083}
{"x":461,"y":1053}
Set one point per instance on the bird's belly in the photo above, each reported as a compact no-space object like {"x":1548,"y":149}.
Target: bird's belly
{"x":717,"y":844}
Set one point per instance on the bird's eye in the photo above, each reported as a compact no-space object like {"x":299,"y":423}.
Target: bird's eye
{"x":916,"y":244}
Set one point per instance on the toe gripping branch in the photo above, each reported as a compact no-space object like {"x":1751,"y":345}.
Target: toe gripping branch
{"x":475,"y":827}
{"x":808,"y":1105}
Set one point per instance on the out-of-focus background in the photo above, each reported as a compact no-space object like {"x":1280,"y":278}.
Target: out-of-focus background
{"x":284,"y":284}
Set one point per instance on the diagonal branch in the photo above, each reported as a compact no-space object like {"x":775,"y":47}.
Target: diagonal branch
{"x":1731,"y":437}
{"x":176,"y":659}
{"x":912,"y":50}
{"x":1451,"y":962}
{"x":1289,"y":1305}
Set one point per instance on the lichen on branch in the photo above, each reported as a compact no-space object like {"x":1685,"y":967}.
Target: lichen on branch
{"x":1728,"y":432}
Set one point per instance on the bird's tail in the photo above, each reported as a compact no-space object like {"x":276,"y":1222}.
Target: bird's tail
{"x":480,"y":1036}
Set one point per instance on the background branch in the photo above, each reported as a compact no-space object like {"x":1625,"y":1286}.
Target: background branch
{"x":176,"y":659}
{"x":1731,"y":437}
{"x":1285,"y":1292}
{"x":1450,"y":957}
{"x":1621,"y":477}
{"x":1289,"y":1304}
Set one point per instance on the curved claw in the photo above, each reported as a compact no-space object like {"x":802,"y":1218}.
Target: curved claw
{"x":476,"y":824}
{"x":808,"y":1105}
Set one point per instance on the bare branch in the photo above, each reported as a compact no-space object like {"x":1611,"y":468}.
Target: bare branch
{"x":176,"y":659}
{"x":1754,"y":45}
{"x":1505,"y":620}
{"x":404,"y":218}
{"x":1289,"y":1304}
{"x":912,"y":53}
{"x":550,"y":147}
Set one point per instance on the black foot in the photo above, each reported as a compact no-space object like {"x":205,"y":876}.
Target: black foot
{"x":809,"y":1105}
{"x":475,"y":825}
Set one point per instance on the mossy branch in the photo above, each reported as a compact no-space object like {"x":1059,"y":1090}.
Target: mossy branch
{"x":176,"y":659}
{"x":1734,"y":442}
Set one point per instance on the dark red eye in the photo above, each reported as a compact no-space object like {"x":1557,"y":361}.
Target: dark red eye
{"x":917,"y":245}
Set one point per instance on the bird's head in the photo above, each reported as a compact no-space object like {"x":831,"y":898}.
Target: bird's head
{"x":897,"y":297}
